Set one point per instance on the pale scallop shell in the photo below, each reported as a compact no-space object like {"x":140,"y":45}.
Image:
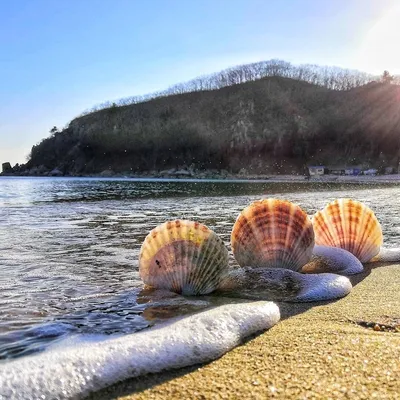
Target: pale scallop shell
{"x":350,"y":225}
{"x":274,"y":234}
{"x":183,"y":256}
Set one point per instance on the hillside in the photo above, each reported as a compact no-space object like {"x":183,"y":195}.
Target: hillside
{"x":271,"y":125}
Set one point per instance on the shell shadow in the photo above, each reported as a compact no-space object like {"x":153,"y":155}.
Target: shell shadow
{"x":368,"y":268}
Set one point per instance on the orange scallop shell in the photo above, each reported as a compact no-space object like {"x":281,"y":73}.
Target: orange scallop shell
{"x":183,"y":256}
{"x":274,"y":234}
{"x":350,"y":225}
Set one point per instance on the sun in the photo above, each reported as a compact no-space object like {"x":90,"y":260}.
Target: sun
{"x":380,"y":47}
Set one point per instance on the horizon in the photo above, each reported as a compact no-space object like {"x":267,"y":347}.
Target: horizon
{"x":75,"y":63}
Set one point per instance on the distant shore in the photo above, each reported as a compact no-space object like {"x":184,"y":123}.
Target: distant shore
{"x":224,"y":176}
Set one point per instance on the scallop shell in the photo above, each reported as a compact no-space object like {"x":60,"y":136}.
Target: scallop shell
{"x":350,"y":225}
{"x":183,"y":256}
{"x":274,"y":234}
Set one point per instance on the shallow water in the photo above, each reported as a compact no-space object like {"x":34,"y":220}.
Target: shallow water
{"x":69,"y":248}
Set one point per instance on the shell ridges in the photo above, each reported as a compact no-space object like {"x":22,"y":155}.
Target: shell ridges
{"x":349,"y":225}
{"x":183,"y":256}
{"x":272,"y":233}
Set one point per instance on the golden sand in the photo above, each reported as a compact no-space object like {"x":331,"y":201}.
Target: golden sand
{"x":317,"y":351}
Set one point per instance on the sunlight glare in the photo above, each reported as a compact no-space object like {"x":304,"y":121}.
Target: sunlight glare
{"x":380,"y":48}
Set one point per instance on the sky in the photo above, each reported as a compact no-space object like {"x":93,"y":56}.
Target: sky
{"x":59,"y":58}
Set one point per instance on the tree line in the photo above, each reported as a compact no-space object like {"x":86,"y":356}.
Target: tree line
{"x":334,"y":78}
{"x":270,"y":125}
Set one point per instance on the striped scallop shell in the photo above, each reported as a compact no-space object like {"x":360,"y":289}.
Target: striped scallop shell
{"x":183,"y":256}
{"x":350,"y":225}
{"x":274,"y":234}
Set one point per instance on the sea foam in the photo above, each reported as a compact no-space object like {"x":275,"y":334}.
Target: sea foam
{"x":76,"y":371}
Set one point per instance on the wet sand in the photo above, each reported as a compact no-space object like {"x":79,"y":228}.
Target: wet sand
{"x":316,"y":351}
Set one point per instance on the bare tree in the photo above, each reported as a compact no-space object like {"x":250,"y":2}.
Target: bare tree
{"x":386,"y":77}
{"x":333,"y":78}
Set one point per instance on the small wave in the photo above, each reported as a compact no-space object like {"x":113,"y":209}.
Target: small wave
{"x":90,"y":365}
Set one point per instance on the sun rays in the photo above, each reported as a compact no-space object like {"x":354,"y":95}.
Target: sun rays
{"x":379,"y":48}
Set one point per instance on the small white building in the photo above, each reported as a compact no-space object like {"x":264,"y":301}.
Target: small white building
{"x":316,"y":170}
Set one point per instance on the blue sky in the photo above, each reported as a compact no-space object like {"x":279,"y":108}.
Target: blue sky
{"x":58,"y":58}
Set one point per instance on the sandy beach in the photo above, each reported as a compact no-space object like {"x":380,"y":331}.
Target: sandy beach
{"x":338,"y":350}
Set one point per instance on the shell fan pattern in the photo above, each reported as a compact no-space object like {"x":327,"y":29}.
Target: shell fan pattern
{"x":273,"y":233}
{"x":183,"y":256}
{"x":349,"y":225}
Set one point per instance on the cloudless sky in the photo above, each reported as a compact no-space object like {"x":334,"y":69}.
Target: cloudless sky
{"x":58,"y":58}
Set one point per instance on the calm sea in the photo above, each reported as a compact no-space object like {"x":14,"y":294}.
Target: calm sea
{"x":69,"y":247}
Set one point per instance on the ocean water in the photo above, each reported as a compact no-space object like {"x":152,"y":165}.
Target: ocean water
{"x":69,"y":248}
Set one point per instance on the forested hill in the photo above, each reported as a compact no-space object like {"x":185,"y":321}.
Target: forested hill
{"x":270,"y":125}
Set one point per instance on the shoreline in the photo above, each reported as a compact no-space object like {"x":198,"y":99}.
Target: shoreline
{"x":366,"y":179}
{"x":317,"y":350}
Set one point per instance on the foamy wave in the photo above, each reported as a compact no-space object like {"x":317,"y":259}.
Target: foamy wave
{"x":87,"y":366}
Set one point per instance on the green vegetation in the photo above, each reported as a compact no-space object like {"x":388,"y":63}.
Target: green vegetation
{"x":268,"y":117}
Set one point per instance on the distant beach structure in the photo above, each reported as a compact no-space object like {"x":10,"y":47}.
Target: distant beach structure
{"x":317,"y":170}
{"x":346,"y":170}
